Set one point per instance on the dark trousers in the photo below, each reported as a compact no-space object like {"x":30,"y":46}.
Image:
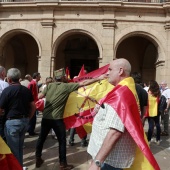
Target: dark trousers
{"x":59,"y":128}
{"x":154,"y":121}
{"x":72,"y":133}
{"x":32,"y":124}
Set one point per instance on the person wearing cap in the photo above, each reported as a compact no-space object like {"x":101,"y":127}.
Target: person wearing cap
{"x":165,"y":92}
{"x":56,"y":95}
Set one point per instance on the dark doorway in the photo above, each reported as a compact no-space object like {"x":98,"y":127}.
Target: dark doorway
{"x":74,"y":51}
{"x":76,"y":64}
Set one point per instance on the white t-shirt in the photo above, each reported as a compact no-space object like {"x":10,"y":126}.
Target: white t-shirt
{"x":3,"y":85}
{"x":166,"y":93}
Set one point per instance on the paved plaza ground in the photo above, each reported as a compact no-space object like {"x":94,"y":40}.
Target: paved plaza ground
{"x":78,"y":156}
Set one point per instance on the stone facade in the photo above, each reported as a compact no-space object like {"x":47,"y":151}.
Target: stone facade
{"x":46,"y":35}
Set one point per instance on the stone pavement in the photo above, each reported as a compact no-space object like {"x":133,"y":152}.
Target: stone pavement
{"x":78,"y":156}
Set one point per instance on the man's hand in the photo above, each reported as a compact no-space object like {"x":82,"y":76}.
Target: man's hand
{"x":96,"y":109}
{"x":93,"y":166}
{"x":103,"y":76}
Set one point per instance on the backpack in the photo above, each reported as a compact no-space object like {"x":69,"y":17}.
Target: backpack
{"x":162,"y":104}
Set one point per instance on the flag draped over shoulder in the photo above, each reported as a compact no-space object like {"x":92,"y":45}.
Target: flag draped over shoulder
{"x":152,"y":109}
{"x":7,"y":159}
{"x":80,"y":104}
{"x":123,"y":99}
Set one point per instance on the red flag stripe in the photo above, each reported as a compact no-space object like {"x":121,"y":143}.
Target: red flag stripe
{"x":78,"y":119}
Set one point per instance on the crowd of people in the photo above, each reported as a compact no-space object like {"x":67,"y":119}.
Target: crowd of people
{"x":111,"y":144}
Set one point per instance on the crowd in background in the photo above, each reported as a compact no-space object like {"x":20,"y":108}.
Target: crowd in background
{"x":17,"y":107}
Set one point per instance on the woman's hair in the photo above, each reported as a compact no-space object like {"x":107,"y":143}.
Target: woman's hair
{"x":154,"y":88}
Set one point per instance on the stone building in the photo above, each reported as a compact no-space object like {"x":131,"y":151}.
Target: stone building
{"x":45,"y":35}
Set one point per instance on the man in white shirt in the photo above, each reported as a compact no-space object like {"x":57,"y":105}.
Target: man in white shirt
{"x":166,"y":92}
{"x":3,"y":85}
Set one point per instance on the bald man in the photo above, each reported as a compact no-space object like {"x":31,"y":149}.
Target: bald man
{"x":111,"y":146}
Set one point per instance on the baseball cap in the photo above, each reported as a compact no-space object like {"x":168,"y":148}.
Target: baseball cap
{"x":59,"y":73}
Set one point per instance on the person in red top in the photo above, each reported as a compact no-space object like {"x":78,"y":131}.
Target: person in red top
{"x":33,"y":86}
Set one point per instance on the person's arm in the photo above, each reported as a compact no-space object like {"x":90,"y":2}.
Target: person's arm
{"x":41,"y":95}
{"x":32,"y":109}
{"x":90,"y":81}
{"x":109,"y":142}
{"x":168,"y":106}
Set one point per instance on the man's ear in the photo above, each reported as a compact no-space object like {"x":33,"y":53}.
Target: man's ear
{"x":9,"y":80}
{"x":121,"y":71}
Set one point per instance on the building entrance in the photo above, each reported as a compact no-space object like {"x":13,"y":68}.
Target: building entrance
{"x":142,"y":54}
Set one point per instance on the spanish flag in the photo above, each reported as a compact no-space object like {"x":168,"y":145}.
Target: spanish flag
{"x":123,"y":99}
{"x":82,"y":72}
{"x":152,"y":109}
{"x":80,"y":104}
{"x":68,"y":73}
{"x":7,"y":159}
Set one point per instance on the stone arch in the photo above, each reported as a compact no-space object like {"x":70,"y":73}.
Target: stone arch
{"x":156,"y":58}
{"x":156,"y":38}
{"x":7,"y":35}
{"x":20,"y":48}
{"x":77,"y":59}
{"x":73,"y":31}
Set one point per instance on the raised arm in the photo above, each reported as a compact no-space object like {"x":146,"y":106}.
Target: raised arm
{"x":90,"y":81}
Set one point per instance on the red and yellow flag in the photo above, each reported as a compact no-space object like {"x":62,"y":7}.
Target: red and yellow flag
{"x":152,"y":109}
{"x":80,"y":104}
{"x":82,"y":72}
{"x":7,"y":159}
{"x":123,"y":99}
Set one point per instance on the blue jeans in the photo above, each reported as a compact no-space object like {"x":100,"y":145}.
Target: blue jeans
{"x":59,"y":128}
{"x":15,"y":133}
{"x":108,"y":167}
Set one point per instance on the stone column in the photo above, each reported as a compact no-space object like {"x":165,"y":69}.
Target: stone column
{"x":165,"y":73}
{"x":45,"y":62}
{"x":108,"y":41}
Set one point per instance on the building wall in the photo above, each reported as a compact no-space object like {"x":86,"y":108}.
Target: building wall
{"x":107,"y":23}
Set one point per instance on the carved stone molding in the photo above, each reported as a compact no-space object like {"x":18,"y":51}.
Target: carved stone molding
{"x":109,"y":25}
{"x":167,"y":26}
{"x":47,"y":23}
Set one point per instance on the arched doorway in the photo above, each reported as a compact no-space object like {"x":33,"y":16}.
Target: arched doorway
{"x":141,"y":53}
{"x":20,"y":50}
{"x":74,"y":51}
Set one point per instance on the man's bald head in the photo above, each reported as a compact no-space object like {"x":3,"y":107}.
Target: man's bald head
{"x":123,"y":63}
{"x":118,"y":70}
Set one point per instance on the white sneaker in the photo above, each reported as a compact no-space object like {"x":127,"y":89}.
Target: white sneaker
{"x":25,"y":168}
{"x":153,"y":140}
{"x":158,"y":142}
